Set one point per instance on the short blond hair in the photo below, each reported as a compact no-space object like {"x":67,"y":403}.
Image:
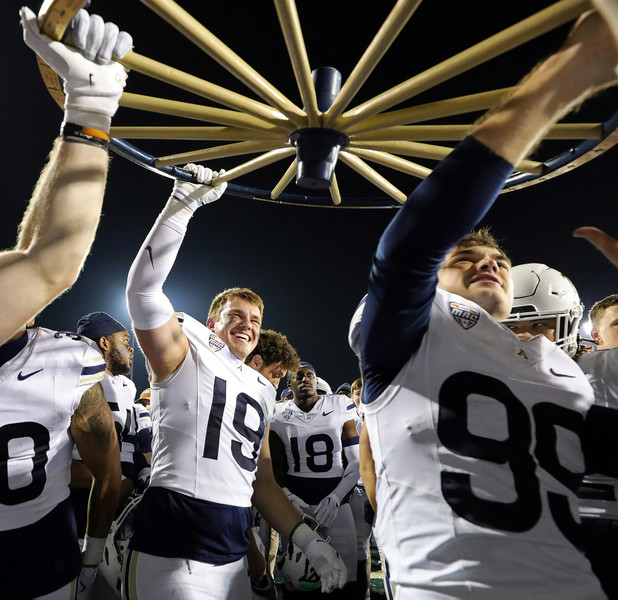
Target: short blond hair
{"x":220,"y":300}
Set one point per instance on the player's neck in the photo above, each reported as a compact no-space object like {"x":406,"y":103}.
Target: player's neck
{"x":306,"y":404}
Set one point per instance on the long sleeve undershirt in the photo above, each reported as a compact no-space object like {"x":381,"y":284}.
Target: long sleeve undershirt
{"x":404,"y":275}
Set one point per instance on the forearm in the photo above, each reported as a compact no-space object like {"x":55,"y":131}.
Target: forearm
{"x":403,"y":277}
{"x":351,"y":474}
{"x":367,"y":467}
{"x":55,"y":234}
{"x":103,"y":504}
{"x":271,"y":501}
{"x":148,"y":306}
{"x":278,"y":511}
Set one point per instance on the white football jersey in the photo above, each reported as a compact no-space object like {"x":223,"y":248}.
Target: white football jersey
{"x":312,"y":439}
{"x":41,"y":388}
{"x":120,"y":393}
{"x":209,"y":420}
{"x":601,"y":368}
{"x":477,"y":453}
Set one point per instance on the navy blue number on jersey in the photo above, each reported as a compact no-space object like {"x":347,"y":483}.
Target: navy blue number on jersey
{"x":215,"y":422}
{"x":515,"y":451}
{"x":40,"y":441}
{"x":319,"y":449}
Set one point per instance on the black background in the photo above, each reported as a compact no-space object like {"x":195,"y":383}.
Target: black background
{"x":310,"y":265}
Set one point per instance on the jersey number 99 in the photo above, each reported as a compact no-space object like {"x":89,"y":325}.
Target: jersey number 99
{"x":516,"y":451}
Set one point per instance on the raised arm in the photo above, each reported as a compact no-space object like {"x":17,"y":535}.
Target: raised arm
{"x":456,"y":196}
{"x":59,"y":224}
{"x":157,"y":329}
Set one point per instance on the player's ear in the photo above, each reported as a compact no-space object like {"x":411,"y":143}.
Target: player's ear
{"x":256,"y":362}
{"x":210,"y":323}
{"x":103,"y":343}
{"x":596,"y":338}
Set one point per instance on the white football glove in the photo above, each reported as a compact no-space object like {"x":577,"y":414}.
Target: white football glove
{"x":326,"y":510}
{"x":143,"y":480}
{"x":322,"y":556}
{"x":198,"y":194}
{"x":86,"y":578}
{"x":298,"y":503}
{"x":93,"y":89}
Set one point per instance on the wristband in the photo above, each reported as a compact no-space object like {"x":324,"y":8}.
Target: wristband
{"x":92,"y":552}
{"x":85,"y":135}
{"x":301,"y":534}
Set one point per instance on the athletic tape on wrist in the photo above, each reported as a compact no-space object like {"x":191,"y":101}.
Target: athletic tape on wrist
{"x":301,"y":534}
{"x":86,"y":135}
{"x":93,"y":551}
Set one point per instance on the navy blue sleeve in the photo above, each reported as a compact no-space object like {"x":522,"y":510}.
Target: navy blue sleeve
{"x":402,"y":283}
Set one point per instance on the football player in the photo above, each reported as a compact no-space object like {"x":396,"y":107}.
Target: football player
{"x":547,"y":303}
{"x":60,"y":223}
{"x":604,"y":318}
{"x":52,"y":399}
{"x":490,"y":426}
{"x":600,"y":529}
{"x":273,"y":357}
{"x":210,"y":415}
{"x":114,"y":342}
{"x":309,"y":437}
{"x":358,"y":498}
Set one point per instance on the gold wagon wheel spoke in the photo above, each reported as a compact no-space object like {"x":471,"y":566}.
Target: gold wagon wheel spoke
{"x":539,"y":23}
{"x":292,"y":33}
{"x":425,"y":133}
{"x":375,"y":131}
{"x":201,"y":87}
{"x":195,"y":111}
{"x":193,"y":30}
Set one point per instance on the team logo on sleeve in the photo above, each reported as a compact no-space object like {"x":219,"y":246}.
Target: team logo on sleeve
{"x":467,"y":317}
{"x":215,"y":343}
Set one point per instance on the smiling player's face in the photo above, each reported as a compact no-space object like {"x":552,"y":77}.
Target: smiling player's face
{"x":238,"y":325}
{"x":481,"y":274}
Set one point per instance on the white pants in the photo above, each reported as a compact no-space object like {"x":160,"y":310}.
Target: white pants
{"x":363,"y":529}
{"x":66,"y":592}
{"x":148,"y":577}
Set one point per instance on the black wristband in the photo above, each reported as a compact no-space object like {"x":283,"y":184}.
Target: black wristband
{"x":86,"y":135}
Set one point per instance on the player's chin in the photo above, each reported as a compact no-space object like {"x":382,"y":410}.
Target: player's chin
{"x":243,"y":347}
{"x":494,"y":300}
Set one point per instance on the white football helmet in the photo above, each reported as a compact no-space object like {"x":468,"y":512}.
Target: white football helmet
{"x":542,"y":292}
{"x":296,"y":570}
{"x":117,"y":545}
{"x":354,"y":329}
{"x":322,"y":386}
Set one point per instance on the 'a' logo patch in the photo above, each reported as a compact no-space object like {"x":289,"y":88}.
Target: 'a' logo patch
{"x":215,"y":343}
{"x":467,"y":317}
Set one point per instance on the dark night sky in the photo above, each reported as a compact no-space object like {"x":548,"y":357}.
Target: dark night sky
{"x":310,"y":265}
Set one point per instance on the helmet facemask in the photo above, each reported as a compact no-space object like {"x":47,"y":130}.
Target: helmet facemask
{"x":542,"y":293}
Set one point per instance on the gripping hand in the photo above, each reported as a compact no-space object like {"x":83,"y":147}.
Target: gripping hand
{"x":322,"y":556}
{"x":198,"y":194}
{"x":93,"y":85}
{"x":327,"y":510}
